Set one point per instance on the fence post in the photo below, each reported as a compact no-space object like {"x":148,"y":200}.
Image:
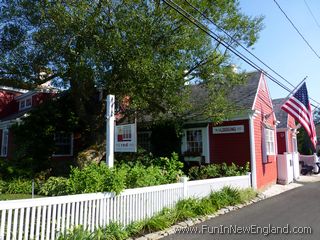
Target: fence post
{"x":184,"y":181}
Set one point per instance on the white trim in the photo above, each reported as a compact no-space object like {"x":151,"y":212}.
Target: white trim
{"x":71,"y":149}
{"x":9,"y":123}
{"x":256,"y":95}
{"x":252,"y":154}
{"x":205,"y":141}
{"x":287,"y":140}
{"x":13,"y":89}
{"x":25,"y":106}
{"x":26,"y":95}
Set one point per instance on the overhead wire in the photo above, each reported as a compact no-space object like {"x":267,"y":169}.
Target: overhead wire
{"x":244,"y":48}
{"x":297,"y":30}
{"x":219,"y":40}
{"x":213,"y":35}
{"x":311,"y":13}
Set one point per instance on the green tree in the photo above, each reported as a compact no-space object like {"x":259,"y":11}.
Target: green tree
{"x":34,"y":136}
{"x":142,"y":49}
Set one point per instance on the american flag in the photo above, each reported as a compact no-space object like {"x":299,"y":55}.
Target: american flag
{"x":298,"y":106}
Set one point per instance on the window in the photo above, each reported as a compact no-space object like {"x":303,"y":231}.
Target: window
{"x":269,"y":140}
{"x":25,"y":103}
{"x":63,"y":144}
{"x":194,"y":141}
{"x":144,"y":140}
{"x":4,"y":145}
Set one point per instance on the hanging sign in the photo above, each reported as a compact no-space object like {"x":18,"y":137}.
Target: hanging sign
{"x":125,"y":138}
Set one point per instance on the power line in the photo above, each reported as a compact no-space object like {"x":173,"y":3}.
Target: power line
{"x":235,"y":40}
{"x":219,"y":40}
{"x":213,"y":35}
{"x":309,"y":9}
{"x":244,"y":48}
{"x":297,"y":29}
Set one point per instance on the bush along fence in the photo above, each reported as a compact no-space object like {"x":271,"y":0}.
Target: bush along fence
{"x":47,"y":218}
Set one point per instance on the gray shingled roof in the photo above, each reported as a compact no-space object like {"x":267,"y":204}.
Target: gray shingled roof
{"x":241,"y":95}
{"x":281,"y":115}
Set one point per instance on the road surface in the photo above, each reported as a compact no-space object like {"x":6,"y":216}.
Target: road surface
{"x":293,"y":215}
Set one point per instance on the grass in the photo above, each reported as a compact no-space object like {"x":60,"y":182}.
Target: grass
{"x":7,"y":196}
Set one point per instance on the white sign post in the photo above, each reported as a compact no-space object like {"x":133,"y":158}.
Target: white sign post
{"x":110,"y":130}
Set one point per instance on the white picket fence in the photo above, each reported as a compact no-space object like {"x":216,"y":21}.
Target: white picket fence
{"x":46,"y":218}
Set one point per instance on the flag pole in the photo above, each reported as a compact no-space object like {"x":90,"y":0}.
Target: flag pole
{"x":290,"y":93}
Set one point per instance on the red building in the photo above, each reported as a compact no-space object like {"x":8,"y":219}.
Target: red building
{"x":286,"y":129}
{"x":15,"y":104}
{"x":249,"y":137}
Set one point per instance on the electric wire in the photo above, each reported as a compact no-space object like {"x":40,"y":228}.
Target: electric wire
{"x":311,"y":13}
{"x":243,"y":47}
{"x":297,"y":30}
{"x":209,"y":32}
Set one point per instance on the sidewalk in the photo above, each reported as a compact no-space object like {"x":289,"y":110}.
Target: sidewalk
{"x":277,"y":188}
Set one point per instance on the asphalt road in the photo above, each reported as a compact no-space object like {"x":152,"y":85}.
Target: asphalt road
{"x":297,"y":210}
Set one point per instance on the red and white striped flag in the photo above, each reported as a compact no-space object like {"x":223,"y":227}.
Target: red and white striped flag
{"x":298,"y":106}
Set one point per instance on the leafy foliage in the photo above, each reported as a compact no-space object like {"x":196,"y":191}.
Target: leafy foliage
{"x":35,"y":134}
{"x":217,"y":170}
{"x":54,"y":186}
{"x":3,"y":186}
{"x":129,"y":48}
{"x":96,"y":178}
{"x":19,"y":185}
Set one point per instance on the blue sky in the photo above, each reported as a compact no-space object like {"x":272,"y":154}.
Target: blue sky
{"x":281,"y":47}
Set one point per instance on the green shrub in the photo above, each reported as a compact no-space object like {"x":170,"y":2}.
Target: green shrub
{"x":77,"y":233}
{"x":135,"y":229}
{"x":161,"y":221}
{"x":247,"y":194}
{"x":3,"y":186}
{"x":232,"y":195}
{"x":114,"y":231}
{"x":171,"y":167}
{"x":141,"y":176}
{"x":185,"y":208}
{"x":217,"y":170}
{"x":20,"y":185}
{"x":204,"y":207}
{"x":54,"y":186}
{"x":97,"y":178}
{"x":218,"y":199}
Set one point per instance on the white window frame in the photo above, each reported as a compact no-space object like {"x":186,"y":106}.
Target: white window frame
{"x":269,"y":141}
{"x":71,"y":147}
{"x":4,"y":142}
{"x":205,"y":141}
{"x":199,"y":141}
{"x":23,"y":103}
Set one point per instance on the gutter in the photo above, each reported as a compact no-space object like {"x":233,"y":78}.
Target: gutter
{"x":252,"y":152}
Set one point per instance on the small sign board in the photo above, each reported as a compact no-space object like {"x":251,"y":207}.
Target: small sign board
{"x":228,"y":129}
{"x":125,"y":138}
